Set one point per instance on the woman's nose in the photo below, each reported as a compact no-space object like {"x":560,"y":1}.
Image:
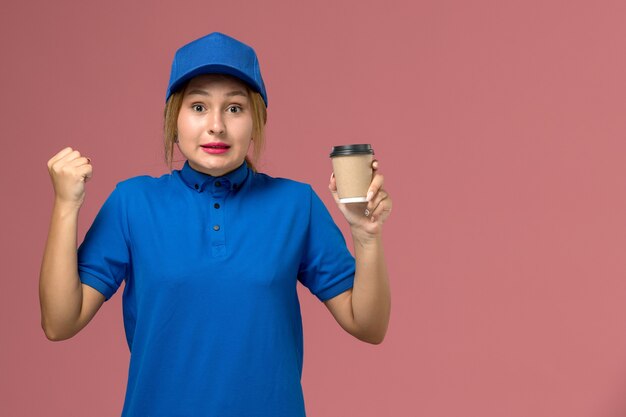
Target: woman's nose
{"x":216,"y":124}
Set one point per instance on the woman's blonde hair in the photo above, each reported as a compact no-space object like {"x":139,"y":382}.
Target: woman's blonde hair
{"x":259,"y":119}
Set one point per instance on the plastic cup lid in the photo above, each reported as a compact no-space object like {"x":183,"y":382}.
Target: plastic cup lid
{"x":344,"y":150}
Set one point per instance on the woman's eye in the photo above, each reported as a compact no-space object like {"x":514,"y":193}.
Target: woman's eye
{"x":235,"y":107}
{"x":195,"y":106}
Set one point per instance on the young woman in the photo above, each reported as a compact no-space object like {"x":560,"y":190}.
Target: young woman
{"x":211,"y":254}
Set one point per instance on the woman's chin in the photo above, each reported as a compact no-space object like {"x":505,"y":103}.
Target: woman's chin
{"x":214,"y":166}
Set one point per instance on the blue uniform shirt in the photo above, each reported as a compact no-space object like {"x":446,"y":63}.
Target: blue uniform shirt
{"x":210,"y":265}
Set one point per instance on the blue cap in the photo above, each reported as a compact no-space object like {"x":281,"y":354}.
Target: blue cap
{"x":216,"y":53}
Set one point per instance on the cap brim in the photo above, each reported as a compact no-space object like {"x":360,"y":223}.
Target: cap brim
{"x":212,"y":69}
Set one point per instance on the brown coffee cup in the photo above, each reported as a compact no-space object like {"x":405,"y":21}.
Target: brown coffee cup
{"x":352,"y":166}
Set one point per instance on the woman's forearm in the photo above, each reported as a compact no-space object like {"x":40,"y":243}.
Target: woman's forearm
{"x":371,"y":297}
{"x":60,"y":289}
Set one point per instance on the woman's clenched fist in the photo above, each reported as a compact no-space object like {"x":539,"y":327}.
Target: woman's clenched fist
{"x":69,"y":171}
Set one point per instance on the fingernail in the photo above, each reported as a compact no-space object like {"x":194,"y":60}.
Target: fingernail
{"x":369,"y":195}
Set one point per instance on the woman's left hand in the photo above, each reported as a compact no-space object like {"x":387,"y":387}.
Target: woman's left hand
{"x":367,"y":218}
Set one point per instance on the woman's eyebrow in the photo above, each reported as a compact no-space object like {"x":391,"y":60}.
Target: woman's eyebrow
{"x":230,"y":94}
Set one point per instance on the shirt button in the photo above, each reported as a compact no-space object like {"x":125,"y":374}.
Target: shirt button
{"x":196,"y":186}
{"x":216,"y":227}
{"x":216,"y":205}
{"x":218,"y":184}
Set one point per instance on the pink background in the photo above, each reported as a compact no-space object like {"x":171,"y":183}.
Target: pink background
{"x":500,"y":129}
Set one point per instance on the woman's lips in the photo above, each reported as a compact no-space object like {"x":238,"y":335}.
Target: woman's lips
{"x":214,"y":150}
{"x":215,"y":147}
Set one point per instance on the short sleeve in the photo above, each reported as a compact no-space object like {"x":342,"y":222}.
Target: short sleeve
{"x":327,"y":266}
{"x":104,"y":254}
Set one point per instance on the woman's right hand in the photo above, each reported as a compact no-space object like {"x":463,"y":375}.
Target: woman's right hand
{"x":69,"y":171}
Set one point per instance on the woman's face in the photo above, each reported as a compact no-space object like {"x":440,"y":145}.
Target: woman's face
{"x":215,"y":110}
